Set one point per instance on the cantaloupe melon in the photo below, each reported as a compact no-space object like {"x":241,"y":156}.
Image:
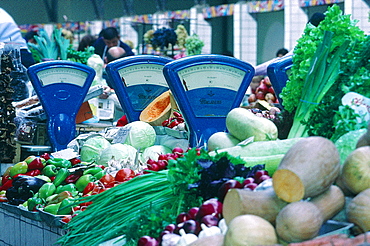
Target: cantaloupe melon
{"x":158,"y":110}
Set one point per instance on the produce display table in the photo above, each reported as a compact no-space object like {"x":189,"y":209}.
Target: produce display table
{"x":23,"y":231}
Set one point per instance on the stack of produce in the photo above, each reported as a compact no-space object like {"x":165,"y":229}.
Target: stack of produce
{"x":7,"y":111}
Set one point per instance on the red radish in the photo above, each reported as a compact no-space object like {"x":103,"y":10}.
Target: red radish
{"x":162,"y":157}
{"x":259,"y":173}
{"x":147,"y":241}
{"x":151,"y":161}
{"x":182,"y":217}
{"x":248,"y":181}
{"x":210,"y":220}
{"x":162,"y":164}
{"x":177,"y":150}
{"x":250,"y":186}
{"x":224,"y":188}
{"x":190,"y":226}
{"x":263,"y":178}
{"x":154,"y":167}
{"x":170,"y":227}
{"x":193,"y":212}
{"x":211,"y":206}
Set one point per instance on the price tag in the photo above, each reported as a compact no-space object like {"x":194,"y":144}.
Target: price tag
{"x":359,"y":103}
{"x":121,"y":134}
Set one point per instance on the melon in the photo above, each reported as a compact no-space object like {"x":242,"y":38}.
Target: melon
{"x":221,"y":140}
{"x":158,"y":110}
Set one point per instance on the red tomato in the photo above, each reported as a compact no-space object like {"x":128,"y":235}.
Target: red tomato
{"x":124,"y":174}
{"x":108,"y":180}
{"x":67,"y":218}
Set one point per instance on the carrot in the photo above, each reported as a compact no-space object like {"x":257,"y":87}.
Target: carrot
{"x":320,"y":241}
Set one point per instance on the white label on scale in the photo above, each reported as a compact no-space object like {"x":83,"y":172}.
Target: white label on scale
{"x":62,"y":75}
{"x":143,"y":74}
{"x":211,"y":75}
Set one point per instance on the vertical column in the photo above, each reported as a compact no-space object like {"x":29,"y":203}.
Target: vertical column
{"x":245,"y":34}
{"x":359,"y":10}
{"x":127,"y":32}
{"x":295,"y":20}
{"x":201,"y":27}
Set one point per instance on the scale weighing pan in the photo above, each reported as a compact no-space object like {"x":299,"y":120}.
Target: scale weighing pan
{"x":206,"y":88}
{"x":137,"y":81}
{"x":277,"y":72}
{"x":61,"y":87}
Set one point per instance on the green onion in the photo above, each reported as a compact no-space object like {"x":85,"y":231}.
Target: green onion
{"x":322,"y":74}
{"x":113,"y":210}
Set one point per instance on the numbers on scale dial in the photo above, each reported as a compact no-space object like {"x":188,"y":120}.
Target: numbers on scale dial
{"x":211,"y":75}
{"x":142,"y":74}
{"x":62,"y":75}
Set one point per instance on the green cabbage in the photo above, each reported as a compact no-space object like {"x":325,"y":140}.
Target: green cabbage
{"x":347,"y":143}
{"x":154,"y":151}
{"x":117,"y":152}
{"x":91,"y":149}
{"x":140,"y":135}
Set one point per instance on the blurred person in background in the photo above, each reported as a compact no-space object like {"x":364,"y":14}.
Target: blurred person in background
{"x":10,"y":32}
{"x":86,"y":41}
{"x":281,"y":52}
{"x":110,"y":38}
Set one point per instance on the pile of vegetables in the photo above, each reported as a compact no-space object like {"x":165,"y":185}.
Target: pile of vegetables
{"x":326,"y":116}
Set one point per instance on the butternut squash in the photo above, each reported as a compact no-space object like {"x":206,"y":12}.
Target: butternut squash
{"x":308,"y":169}
{"x":330,"y":202}
{"x":356,"y":170}
{"x":158,"y":110}
{"x":358,"y":210}
{"x":263,"y":203}
{"x":243,"y":124}
{"x":299,"y":221}
{"x":248,"y":230}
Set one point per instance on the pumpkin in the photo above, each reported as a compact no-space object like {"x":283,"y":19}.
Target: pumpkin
{"x":158,"y":110}
{"x":299,"y":221}
{"x":330,"y":202}
{"x":356,"y":170}
{"x":263,"y":203}
{"x":358,"y":210}
{"x":221,"y":140}
{"x":308,"y":169}
{"x":249,"y":229}
{"x":243,"y":124}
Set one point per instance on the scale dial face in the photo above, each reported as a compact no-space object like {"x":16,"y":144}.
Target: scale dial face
{"x":141,"y":74}
{"x":211,"y":75}
{"x":67,"y":75}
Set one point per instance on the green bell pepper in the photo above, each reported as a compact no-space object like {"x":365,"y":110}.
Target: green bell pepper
{"x":83,"y":181}
{"x":61,"y":176}
{"x":52,"y":208}
{"x":65,"y":207}
{"x":92,"y":170}
{"x":46,"y":190}
{"x":68,"y":187}
{"x":33,"y":202}
{"x":59,"y":162}
{"x":99,"y":175}
{"x":50,"y":170}
{"x":19,"y":168}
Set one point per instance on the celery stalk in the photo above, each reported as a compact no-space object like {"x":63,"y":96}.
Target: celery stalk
{"x":321,"y":76}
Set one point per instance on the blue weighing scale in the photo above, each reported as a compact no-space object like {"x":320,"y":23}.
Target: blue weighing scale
{"x":61,"y":87}
{"x":206,"y":88}
{"x":137,"y":81}
{"x":277,"y":72}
